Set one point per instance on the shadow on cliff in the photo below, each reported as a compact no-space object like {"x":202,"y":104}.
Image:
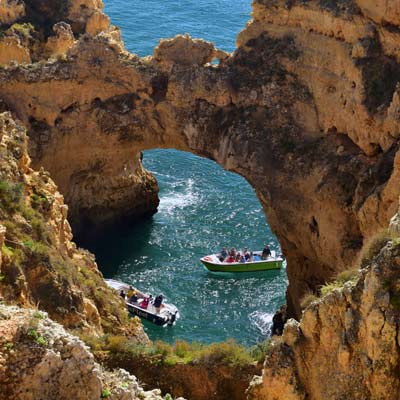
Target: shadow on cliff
{"x":114,"y":243}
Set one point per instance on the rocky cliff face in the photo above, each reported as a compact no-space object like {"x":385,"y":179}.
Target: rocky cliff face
{"x":39,"y":360}
{"x":306,"y":109}
{"x":39,"y":264}
{"x":347,"y":345}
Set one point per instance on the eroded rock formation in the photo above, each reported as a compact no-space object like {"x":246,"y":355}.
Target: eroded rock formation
{"x":39,"y":359}
{"x":39,"y":264}
{"x":347,"y":345}
{"x":306,"y":109}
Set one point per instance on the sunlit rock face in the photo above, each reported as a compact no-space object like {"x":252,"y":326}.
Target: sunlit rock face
{"x":306,"y":109}
{"x":39,"y":359}
{"x":40,"y":266}
{"x":347,"y":343}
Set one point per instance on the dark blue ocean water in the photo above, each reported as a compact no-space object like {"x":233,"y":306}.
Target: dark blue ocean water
{"x":202,"y":206}
{"x":145,"y":22}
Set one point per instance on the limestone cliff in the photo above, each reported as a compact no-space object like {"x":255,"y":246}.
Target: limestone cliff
{"x":306,"y":109}
{"x":347,"y":344}
{"x":40,"y":360}
{"x":39,"y":264}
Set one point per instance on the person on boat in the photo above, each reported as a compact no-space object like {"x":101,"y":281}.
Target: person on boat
{"x":266,"y":252}
{"x":145,"y":303}
{"x":230,"y":259}
{"x":223,"y":254}
{"x":131,"y":292}
{"x":122,"y":293}
{"x":256,"y":257}
{"x":251,"y":257}
{"x":133,"y":298}
{"x":243,"y":258}
{"x":232,"y":252}
{"x":238,"y":257}
{"x":246,"y":253}
{"x":158,"y":302}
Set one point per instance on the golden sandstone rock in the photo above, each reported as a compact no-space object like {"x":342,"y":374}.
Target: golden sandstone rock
{"x":40,"y":265}
{"x":305,"y":108}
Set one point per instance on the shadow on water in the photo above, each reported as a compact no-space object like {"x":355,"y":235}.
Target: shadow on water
{"x":113,"y":245}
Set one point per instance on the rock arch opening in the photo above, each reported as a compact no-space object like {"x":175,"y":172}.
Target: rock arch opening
{"x":202,"y":208}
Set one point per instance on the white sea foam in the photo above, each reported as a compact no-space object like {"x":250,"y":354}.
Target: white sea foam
{"x":262,"y":320}
{"x":170,"y":202}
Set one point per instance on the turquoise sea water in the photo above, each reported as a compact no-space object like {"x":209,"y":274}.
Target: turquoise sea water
{"x":202,"y":206}
{"x":144,"y":23}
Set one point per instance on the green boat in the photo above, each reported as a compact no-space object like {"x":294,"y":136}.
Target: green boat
{"x":212,"y":263}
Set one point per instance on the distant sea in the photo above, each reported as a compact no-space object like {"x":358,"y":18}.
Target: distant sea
{"x":202,"y":206}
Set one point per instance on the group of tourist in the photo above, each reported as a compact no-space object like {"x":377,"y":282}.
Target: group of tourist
{"x":234,"y":256}
{"x":133,"y":297}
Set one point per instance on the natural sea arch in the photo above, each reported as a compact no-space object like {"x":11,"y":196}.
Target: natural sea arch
{"x":90,"y":116}
{"x":107,"y":107}
{"x":202,"y":208}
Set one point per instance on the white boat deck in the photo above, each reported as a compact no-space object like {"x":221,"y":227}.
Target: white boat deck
{"x":164,"y":310}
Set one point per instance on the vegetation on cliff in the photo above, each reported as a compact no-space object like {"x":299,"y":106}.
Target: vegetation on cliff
{"x":351,"y":335}
{"x":40,"y":265}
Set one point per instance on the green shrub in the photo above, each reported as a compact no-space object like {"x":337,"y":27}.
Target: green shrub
{"x":307,"y":299}
{"x":329,"y":287}
{"x":7,"y":251}
{"x":181,"y":348}
{"x":116,"y":344}
{"x":24,"y":29}
{"x":348,"y":275}
{"x":373,"y":246}
{"x":11,"y":195}
{"x":16,"y":255}
{"x":260,"y":350}
{"x":228,"y":352}
{"x":34,"y":334}
{"x":38,"y":315}
{"x":40,"y":202}
{"x":38,"y":250}
{"x":105,"y":393}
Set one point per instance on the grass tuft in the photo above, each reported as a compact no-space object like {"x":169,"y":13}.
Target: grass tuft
{"x":307,"y":299}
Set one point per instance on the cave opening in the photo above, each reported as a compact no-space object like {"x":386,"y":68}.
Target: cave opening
{"x":202,"y":208}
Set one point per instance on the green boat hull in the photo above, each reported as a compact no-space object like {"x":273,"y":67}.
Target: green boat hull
{"x":246,"y":267}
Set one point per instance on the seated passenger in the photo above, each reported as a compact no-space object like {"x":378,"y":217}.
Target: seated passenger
{"x":242,"y":259}
{"x":131,"y":292}
{"x":232,"y":252}
{"x":158,"y":302}
{"x":251,"y":257}
{"x":133,"y":299}
{"x":237,"y":258}
{"x":230,"y":259}
{"x":145,"y":303}
{"x":223,"y":254}
{"x":122,"y":293}
{"x":257,"y":257}
{"x":266,"y":252}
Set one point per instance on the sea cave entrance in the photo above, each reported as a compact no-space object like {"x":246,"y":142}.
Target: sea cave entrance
{"x":202,"y":207}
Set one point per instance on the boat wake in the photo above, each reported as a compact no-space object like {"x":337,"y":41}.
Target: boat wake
{"x":169,"y":202}
{"x":262,"y":320}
